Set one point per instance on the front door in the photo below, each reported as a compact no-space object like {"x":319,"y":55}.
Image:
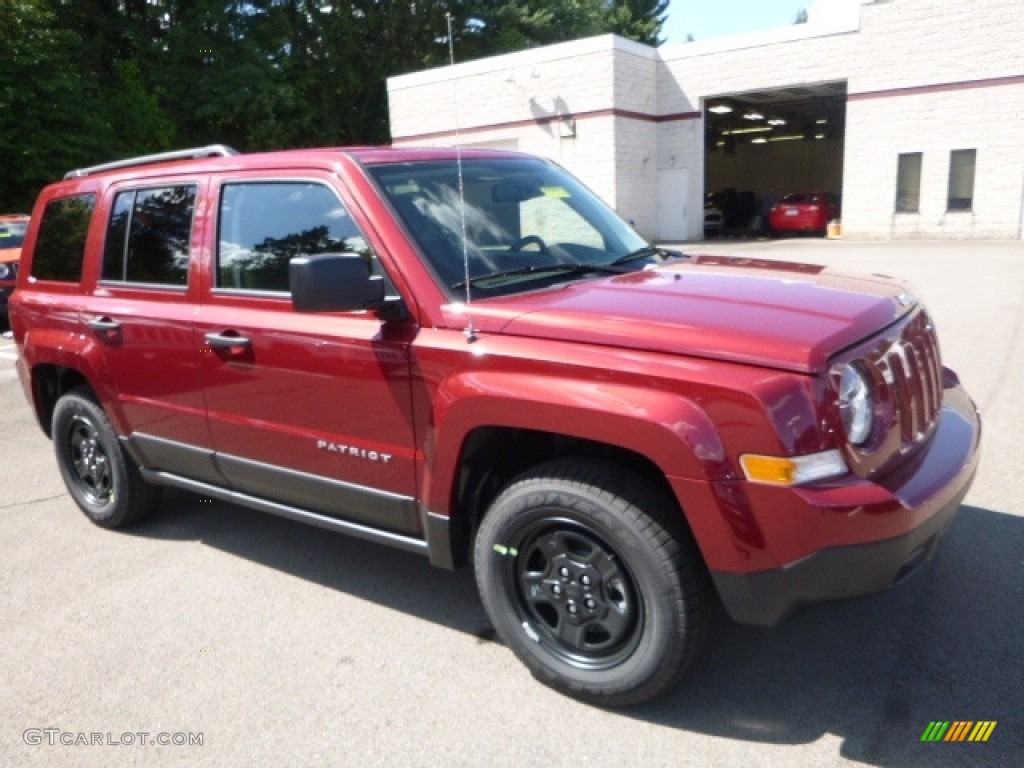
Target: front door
{"x":308,"y":410}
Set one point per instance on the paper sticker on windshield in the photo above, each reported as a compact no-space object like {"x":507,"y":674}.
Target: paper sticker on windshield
{"x":555,"y":191}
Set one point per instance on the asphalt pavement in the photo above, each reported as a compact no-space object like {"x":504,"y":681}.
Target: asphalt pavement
{"x":212,"y":635}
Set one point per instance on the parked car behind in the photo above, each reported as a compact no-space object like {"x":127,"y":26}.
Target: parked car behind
{"x":12,"y":234}
{"x":713,"y":221}
{"x":804,"y":212}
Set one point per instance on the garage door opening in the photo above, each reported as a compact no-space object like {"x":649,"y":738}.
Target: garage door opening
{"x":763,"y":145}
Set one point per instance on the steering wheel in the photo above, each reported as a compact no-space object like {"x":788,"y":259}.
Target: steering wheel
{"x":522,"y":242}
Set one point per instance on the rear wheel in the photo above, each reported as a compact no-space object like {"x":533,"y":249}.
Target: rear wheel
{"x":592,"y":581}
{"x":102,"y":478}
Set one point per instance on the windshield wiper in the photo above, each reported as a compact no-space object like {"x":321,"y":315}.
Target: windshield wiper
{"x":645,"y":253}
{"x":559,"y":269}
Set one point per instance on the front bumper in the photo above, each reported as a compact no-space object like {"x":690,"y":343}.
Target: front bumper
{"x":907,"y":518}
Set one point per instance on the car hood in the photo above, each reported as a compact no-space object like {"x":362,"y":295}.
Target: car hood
{"x":775,"y":314}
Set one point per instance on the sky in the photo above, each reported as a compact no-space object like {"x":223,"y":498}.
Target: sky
{"x":707,"y":19}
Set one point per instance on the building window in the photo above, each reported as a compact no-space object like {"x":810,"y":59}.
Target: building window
{"x":908,"y":183}
{"x":961,"y":179}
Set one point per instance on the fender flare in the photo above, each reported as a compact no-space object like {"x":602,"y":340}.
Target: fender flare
{"x":671,"y":431}
{"x":75,"y":351}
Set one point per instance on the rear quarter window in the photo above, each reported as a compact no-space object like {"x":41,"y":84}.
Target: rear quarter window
{"x":60,"y":243}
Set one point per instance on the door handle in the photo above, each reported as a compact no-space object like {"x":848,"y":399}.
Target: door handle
{"x":104,"y":325}
{"x":227,"y":340}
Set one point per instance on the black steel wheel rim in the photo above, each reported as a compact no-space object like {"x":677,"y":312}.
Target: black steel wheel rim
{"x":90,"y":461}
{"x":574,"y":595}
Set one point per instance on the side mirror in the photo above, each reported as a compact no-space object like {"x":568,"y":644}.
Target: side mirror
{"x":334,"y":282}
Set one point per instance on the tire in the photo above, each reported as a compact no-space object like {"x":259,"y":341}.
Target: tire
{"x":592,"y":579}
{"x":101,"y":477}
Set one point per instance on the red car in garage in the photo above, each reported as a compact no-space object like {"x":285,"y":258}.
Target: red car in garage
{"x":804,"y":212}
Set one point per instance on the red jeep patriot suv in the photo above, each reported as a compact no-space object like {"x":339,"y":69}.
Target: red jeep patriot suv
{"x":467,"y":355}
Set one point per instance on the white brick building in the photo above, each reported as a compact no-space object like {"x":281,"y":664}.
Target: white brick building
{"x":922,"y":129}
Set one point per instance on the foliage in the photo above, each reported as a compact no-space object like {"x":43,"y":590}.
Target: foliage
{"x":86,"y":81}
{"x":49,"y":122}
{"x":638,"y":20}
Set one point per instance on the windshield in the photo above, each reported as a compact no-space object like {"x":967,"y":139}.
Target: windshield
{"x":527,"y":222}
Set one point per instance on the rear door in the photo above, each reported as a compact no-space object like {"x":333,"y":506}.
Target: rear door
{"x":140,"y":313}
{"x":307,"y":410}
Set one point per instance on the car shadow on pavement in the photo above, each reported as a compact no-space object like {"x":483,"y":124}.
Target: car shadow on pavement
{"x":385,"y":575}
{"x":947,"y":644}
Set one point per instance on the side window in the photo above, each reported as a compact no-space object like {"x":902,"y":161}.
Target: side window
{"x":117,"y":237}
{"x":60,"y":244}
{"x":148,"y":236}
{"x":263,"y":225}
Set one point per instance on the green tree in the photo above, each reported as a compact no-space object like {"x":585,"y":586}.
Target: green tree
{"x":639,"y":20}
{"x":49,"y":120}
{"x":84,"y":81}
{"x":138,"y":122}
{"x":511,"y":25}
{"x":211,"y":75}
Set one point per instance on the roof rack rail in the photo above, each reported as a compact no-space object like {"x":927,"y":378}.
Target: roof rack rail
{"x":213,"y":150}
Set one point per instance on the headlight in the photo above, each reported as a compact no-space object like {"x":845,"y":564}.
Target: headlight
{"x":856,"y":404}
{"x":6,"y":271}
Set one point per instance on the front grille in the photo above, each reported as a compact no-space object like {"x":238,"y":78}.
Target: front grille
{"x":909,"y":363}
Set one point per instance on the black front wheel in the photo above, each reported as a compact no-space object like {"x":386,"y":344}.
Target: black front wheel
{"x":102,"y":478}
{"x":591,"y":578}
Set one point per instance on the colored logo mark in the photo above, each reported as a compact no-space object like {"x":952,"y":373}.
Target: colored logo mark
{"x":958,"y":730}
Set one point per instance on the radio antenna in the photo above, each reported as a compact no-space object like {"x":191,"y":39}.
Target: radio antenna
{"x":470,"y":331}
